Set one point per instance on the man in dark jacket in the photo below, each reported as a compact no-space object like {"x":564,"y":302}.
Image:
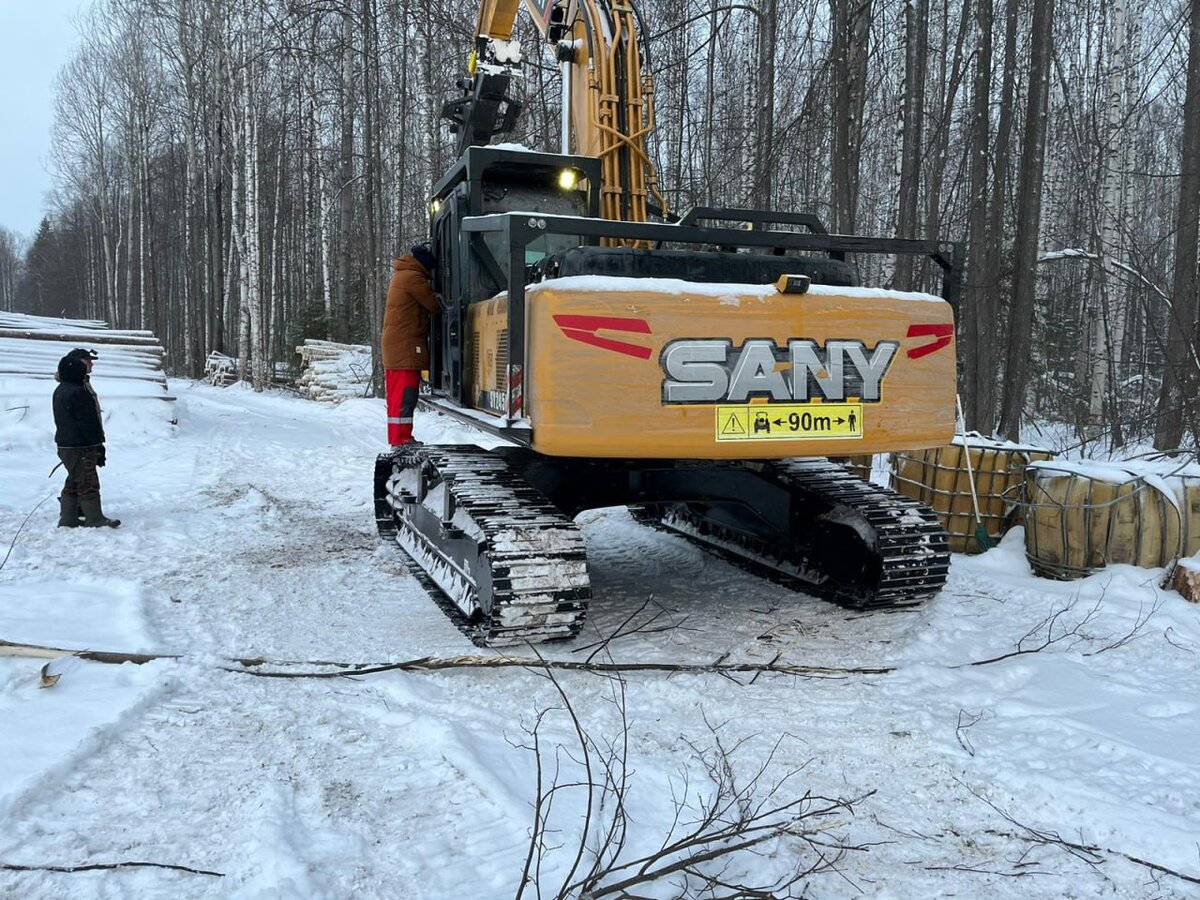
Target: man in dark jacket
{"x":79,"y":435}
{"x":405,"y":339}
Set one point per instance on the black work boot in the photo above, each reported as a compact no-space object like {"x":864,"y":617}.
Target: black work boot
{"x":68,"y":516}
{"x":93,"y":515}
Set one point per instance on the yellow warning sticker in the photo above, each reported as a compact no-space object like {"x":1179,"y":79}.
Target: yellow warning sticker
{"x":790,"y":422}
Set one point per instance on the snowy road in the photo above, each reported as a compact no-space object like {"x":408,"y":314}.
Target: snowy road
{"x":249,"y":532}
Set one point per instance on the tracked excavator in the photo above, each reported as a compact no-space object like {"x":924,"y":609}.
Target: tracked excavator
{"x":699,"y":369}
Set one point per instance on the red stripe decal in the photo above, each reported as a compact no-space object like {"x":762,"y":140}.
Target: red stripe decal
{"x":943,"y":334}
{"x":584,"y":328}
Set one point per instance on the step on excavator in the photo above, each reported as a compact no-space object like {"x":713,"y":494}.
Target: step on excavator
{"x":701,"y":369}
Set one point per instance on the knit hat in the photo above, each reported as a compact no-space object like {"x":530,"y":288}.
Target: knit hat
{"x":84,"y":353}
{"x":71,"y":368}
{"x":422,"y":254}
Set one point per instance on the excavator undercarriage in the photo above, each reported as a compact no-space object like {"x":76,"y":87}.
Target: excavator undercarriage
{"x":495,"y":531}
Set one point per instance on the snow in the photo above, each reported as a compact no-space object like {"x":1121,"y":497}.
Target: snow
{"x":1169,"y":477}
{"x":725,"y":292}
{"x":975,"y":439}
{"x":248,"y":531}
{"x":1068,"y":253}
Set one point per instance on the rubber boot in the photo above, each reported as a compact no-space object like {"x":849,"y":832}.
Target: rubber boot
{"x":68,"y":516}
{"x":93,"y":515}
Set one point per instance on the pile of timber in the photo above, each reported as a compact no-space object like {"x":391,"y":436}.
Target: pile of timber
{"x":130,"y":362}
{"x":222,"y":371}
{"x":334,"y":372}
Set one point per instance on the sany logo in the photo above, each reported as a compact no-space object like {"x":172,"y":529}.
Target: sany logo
{"x":710,"y":370}
{"x":584,"y":328}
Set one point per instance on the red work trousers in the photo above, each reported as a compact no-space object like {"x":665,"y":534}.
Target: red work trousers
{"x":402,"y":387}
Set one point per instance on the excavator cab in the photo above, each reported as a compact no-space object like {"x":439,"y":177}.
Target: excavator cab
{"x":475,"y":266}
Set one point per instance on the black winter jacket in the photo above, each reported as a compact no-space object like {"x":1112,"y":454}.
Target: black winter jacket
{"x":76,"y":413}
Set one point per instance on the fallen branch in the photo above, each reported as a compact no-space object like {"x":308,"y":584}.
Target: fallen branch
{"x":94,"y":867}
{"x":21,"y":528}
{"x":249,"y":666}
{"x":1091,"y":854}
{"x":432,"y":663}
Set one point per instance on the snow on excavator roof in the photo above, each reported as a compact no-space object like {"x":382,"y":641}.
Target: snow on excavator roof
{"x":696,"y":288}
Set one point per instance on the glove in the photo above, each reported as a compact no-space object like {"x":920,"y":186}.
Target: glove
{"x":100,"y":456}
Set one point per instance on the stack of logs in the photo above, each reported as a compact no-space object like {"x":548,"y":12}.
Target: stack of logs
{"x":222,"y":371}
{"x":334,"y":372}
{"x":31,"y":346}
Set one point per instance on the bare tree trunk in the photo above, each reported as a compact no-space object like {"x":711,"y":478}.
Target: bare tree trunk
{"x":912,"y":124}
{"x":940,"y":142}
{"x":768,"y":20}
{"x":345,"y":187}
{"x":989,"y":274}
{"x":1028,"y":222}
{"x":851,"y":22}
{"x":1107,"y":322}
{"x":978,"y":354}
{"x":374,"y":171}
{"x":1177,"y":404}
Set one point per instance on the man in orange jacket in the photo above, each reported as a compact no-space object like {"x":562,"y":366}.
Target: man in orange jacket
{"x":405,"y":341}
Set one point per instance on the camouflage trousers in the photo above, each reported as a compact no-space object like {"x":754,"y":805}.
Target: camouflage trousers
{"x":82,"y":478}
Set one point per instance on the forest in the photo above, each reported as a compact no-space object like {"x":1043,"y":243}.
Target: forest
{"x":237,"y":176}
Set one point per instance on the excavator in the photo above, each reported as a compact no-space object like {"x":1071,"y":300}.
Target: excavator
{"x":700,"y":369}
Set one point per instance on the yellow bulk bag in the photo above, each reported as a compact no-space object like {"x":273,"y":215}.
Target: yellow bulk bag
{"x":1083,"y":516}
{"x":1191,"y":515}
{"x":939,"y":479}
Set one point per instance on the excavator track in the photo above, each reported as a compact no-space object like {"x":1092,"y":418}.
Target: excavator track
{"x":869,"y":549}
{"x":512,"y":568}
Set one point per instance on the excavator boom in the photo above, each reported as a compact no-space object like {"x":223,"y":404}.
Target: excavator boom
{"x":608,"y":101}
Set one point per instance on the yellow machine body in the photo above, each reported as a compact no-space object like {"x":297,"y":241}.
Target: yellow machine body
{"x":602,"y":356}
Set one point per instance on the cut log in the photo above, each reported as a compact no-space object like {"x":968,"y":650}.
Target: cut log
{"x":1187,"y":579}
{"x":142,"y":339}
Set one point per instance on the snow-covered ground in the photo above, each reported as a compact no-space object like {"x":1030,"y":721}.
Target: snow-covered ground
{"x":248,"y":532}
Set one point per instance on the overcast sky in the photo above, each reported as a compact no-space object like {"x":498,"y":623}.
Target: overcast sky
{"x":36,"y":37}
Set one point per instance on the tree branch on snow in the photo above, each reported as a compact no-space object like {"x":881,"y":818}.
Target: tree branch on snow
{"x":631,"y":626}
{"x":1144,"y":615}
{"x":1055,"y":628}
{"x":251,"y":665}
{"x":96,"y":867}
{"x":1058,"y":627}
{"x":966,"y":721}
{"x":20,"y":528}
{"x":1091,"y":854}
{"x":707,"y":838}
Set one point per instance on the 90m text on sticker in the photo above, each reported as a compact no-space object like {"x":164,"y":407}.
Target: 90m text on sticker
{"x":790,"y":422}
